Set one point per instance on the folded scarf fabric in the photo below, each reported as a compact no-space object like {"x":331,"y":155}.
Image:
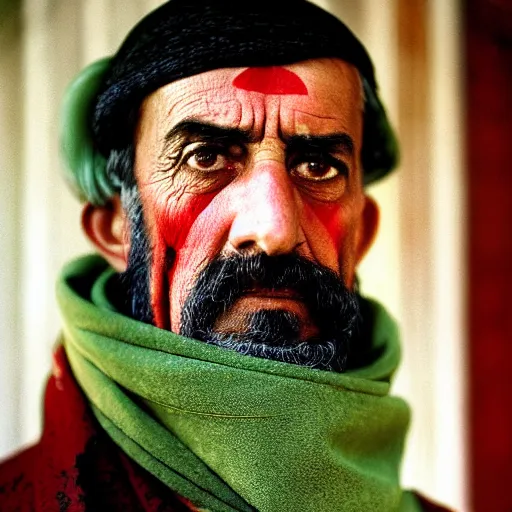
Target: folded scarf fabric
{"x":76,"y":467}
{"x":233,"y":432}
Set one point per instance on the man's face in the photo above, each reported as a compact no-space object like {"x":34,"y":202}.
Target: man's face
{"x":259,"y":161}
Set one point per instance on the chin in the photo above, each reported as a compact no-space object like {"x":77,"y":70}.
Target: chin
{"x":279,"y":335}
{"x":285,"y":308}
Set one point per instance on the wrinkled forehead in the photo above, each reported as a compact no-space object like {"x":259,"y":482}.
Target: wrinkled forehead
{"x":317,"y":96}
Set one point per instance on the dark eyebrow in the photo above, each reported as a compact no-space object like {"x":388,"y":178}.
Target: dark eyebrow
{"x":191,"y":128}
{"x":335,"y":142}
{"x":205,"y":131}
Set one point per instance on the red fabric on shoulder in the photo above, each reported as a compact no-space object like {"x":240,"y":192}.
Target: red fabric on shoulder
{"x":75,"y":467}
{"x":430,"y":506}
{"x":16,"y":482}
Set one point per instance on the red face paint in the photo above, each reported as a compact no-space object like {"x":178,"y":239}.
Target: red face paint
{"x":172,"y":227}
{"x":330,"y":216}
{"x":159,"y":285}
{"x":270,"y":80}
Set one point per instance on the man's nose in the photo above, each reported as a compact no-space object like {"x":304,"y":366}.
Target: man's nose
{"x":267,"y":216}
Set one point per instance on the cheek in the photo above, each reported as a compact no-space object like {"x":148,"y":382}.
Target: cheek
{"x":328,"y":232}
{"x":175,"y":220}
{"x":325,"y":222}
{"x":171,"y":219}
{"x":331,"y":219}
{"x":195,"y":228}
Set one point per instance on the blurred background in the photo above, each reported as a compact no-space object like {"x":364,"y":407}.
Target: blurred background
{"x":441,"y":263}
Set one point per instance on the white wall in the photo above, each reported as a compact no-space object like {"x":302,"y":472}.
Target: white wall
{"x":39,"y":219}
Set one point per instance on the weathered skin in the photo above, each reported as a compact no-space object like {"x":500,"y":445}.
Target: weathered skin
{"x":251,"y":196}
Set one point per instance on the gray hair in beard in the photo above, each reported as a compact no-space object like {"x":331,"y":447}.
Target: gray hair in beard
{"x":275,"y":333}
{"x":133,"y":296}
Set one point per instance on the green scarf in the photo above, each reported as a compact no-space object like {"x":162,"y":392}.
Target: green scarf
{"x":233,"y":432}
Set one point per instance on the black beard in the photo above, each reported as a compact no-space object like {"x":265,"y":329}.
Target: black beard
{"x":135,"y":280}
{"x":271,"y":334}
{"x":275,"y":334}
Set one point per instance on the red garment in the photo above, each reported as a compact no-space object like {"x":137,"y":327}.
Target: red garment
{"x":75,"y":467}
{"x":430,"y":506}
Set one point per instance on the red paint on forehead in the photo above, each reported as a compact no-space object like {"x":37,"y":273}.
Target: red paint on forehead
{"x":270,"y":80}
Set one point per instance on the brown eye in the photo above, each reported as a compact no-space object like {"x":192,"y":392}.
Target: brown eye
{"x":206,"y":159}
{"x":315,"y":171}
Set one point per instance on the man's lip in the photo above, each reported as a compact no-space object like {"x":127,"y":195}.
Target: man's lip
{"x":268,"y":293}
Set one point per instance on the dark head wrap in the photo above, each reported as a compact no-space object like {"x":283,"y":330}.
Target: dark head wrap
{"x":186,"y":37}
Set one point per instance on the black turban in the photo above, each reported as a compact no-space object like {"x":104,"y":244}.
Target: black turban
{"x":186,"y":37}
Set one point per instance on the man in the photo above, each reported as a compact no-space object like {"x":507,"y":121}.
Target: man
{"x":219,"y":357}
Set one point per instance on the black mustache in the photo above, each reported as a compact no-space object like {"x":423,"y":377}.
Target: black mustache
{"x":332,"y":307}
